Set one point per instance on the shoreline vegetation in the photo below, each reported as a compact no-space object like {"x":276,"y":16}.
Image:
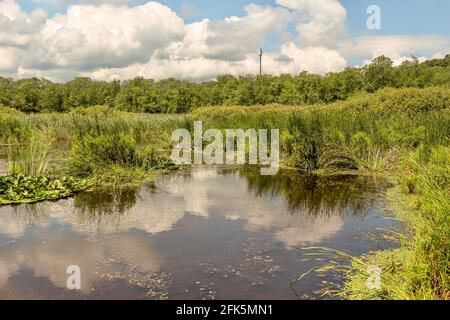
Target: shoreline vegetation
{"x":379,"y":120}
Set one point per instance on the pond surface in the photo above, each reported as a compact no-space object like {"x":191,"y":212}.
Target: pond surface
{"x":204,"y":233}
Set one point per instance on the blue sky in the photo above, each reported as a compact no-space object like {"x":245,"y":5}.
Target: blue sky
{"x":399,"y":16}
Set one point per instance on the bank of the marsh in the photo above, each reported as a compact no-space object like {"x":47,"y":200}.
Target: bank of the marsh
{"x":108,"y":149}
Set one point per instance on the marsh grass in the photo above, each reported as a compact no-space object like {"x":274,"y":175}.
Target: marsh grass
{"x":368,"y":132}
{"x":115,"y":159}
{"x":31,"y":159}
{"x":419,"y":268}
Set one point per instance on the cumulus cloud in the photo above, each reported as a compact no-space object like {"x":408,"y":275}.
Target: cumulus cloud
{"x":290,"y":60}
{"x":320,"y":22}
{"x":10,"y":59}
{"x":233,"y":37}
{"x":119,"y":39}
{"x":106,"y":36}
{"x":16,"y":26}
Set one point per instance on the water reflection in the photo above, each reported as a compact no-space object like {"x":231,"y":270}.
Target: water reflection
{"x":114,"y":235}
{"x":98,"y":203}
{"x":318,"y":195}
{"x":297,"y":209}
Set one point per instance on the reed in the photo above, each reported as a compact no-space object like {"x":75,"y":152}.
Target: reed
{"x":32,"y":159}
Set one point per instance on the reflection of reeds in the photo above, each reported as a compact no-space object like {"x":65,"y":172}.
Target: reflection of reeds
{"x":31,"y":159}
{"x":317,"y":195}
{"x":31,"y":214}
{"x":106,"y":202}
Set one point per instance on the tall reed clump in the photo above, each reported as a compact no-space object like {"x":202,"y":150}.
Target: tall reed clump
{"x":113,"y":159}
{"x":31,"y":159}
{"x":323,"y":140}
{"x":303,"y":141}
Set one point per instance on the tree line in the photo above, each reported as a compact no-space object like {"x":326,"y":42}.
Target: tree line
{"x":175,"y":96}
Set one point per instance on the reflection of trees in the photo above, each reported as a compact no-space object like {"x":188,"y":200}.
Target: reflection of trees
{"x":104,"y":202}
{"x":318,"y":195}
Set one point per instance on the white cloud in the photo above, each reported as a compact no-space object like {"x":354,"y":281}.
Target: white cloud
{"x":114,"y":40}
{"x":16,"y":26}
{"x":60,"y":3}
{"x":291,"y":60}
{"x":320,"y":22}
{"x":393,"y":46}
{"x":107,"y":36}
{"x":230,"y":39}
{"x":10,"y":59}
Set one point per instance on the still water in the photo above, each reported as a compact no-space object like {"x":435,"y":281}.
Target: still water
{"x":204,"y":233}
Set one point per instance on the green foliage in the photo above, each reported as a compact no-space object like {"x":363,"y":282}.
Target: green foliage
{"x":423,"y":203}
{"x":367,"y":132}
{"x":379,"y":74}
{"x":12,"y":128}
{"x":173,"y":96}
{"x":16,"y":189}
{"x":303,"y":141}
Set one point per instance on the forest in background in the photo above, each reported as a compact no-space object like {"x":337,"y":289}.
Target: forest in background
{"x":175,"y":96}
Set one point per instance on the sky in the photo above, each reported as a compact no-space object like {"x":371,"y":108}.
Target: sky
{"x":200,"y":39}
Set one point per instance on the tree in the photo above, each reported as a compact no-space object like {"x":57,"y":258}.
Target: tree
{"x":379,"y":74}
{"x":28,"y":94}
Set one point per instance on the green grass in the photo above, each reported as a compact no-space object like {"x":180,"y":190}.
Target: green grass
{"x":32,"y":159}
{"x":420,"y":268}
{"x":368,"y":133}
{"x":114,"y":160}
{"x":111,"y":148}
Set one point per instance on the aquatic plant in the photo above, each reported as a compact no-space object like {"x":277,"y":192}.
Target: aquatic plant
{"x":16,"y":189}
